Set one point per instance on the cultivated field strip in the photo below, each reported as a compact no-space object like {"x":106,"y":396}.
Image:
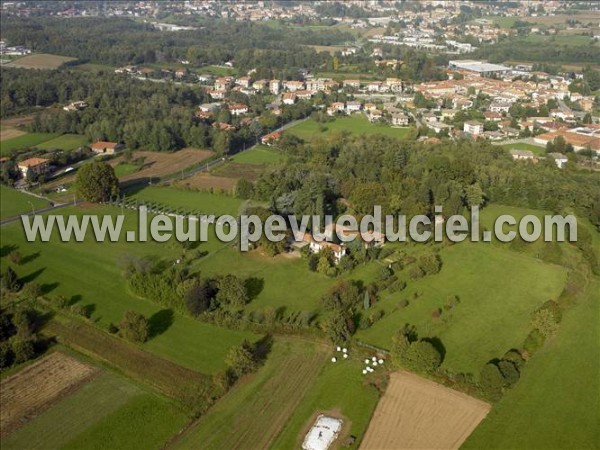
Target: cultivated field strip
{"x":418,"y":413}
{"x":166,"y":376}
{"x":255,"y":421}
{"x":32,"y":390}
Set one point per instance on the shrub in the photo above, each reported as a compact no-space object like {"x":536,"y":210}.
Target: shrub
{"x":545,"y":322}
{"x":23,"y":350}
{"x":134,"y":327}
{"x":31,"y":291}
{"x":509,"y":372}
{"x":15,"y":257}
{"x":7,"y":355}
{"x":533,"y":342}
{"x":10,"y":281}
{"x":491,"y":381}
{"x":422,"y":356}
{"x":403,"y":303}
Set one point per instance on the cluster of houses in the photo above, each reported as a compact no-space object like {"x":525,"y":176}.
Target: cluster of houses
{"x":331,"y":241}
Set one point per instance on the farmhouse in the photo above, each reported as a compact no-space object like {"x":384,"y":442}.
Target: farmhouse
{"x":35,"y":166}
{"x":559,"y":159}
{"x":271,"y":138}
{"x":355,"y":84}
{"x":316,"y":246}
{"x":105,"y":147}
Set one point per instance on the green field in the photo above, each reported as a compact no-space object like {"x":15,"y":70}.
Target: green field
{"x":28,"y":140}
{"x":123,"y":169}
{"x":493,"y":316}
{"x":341,"y":388}
{"x":13,"y":202}
{"x":535,"y":149}
{"x":259,"y":155}
{"x":286,"y":282}
{"x":556,"y":402}
{"x":192,"y":201}
{"x":105,"y":412}
{"x":357,"y":124}
{"x":257,"y":409}
{"x":64,"y":142}
{"x":90,"y":272}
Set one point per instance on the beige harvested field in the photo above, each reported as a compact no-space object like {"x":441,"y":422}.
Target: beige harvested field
{"x":156,"y":164}
{"x":40,"y":61}
{"x":159,"y":164}
{"x":32,"y":390}
{"x":203,"y":180}
{"x":418,"y":413}
{"x":9,"y":133}
{"x":16,"y":121}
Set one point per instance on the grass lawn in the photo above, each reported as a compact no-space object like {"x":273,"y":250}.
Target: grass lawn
{"x":498,"y":290}
{"x":64,"y":142}
{"x":13,"y":202}
{"x":341,"y":388}
{"x":123,"y":169}
{"x":356,"y":124}
{"x":259,"y":155}
{"x":192,"y":201}
{"x":89,"y":406}
{"x":28,"y":140}
{"x":257,"y":409}
{"x":90,"y":272}
{"x":556,"y":403}
{"x":535,"y":149}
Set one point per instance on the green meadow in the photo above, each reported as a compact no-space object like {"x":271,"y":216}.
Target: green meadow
{"x":493,"y":315}
{"x":90,"y":273}
{"x":535,"y":149}
{"x":13,"y":202}
{"x":555,"y":404}
{"x":28,"y":140}
{"x":64,"y":142}
{"x":355,"y":124}
{"x":190,"y":201}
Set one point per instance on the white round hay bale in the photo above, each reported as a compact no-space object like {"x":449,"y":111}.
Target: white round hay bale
{"x":345,"y":355}
{"x":345,"y":350}
{"x":374,"y":358}
{"x":375,"y":363}
{"x":338,"y":348}
{"x":334,"y":359}
{"x":367,"y":361}
{"x":364,"y":372}
{"x":381,"y":361}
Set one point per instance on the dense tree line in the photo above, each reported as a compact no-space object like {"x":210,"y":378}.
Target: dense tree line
{"x":408,"y":177}
{"x":119,"y":41}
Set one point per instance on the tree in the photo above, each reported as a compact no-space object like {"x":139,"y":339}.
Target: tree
{"x":134,"y":327}
{"x":342,"y":296}
{"x":10,"y":281}
{"x":509,"y":372}
{"x":198,"y":298}
{"x":422,"y":356}
{"x":244,"y":189}
{"x":31,"y":291}
{"x":491,"y":381}
{"x":241,"y":359}
{"x":23,"y":350}
{"x":338,"y":327}
{"x":97,"y":182}
{"x":232,"y":292}
{"x":473,"y":195}
{"x":545,"y":322}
